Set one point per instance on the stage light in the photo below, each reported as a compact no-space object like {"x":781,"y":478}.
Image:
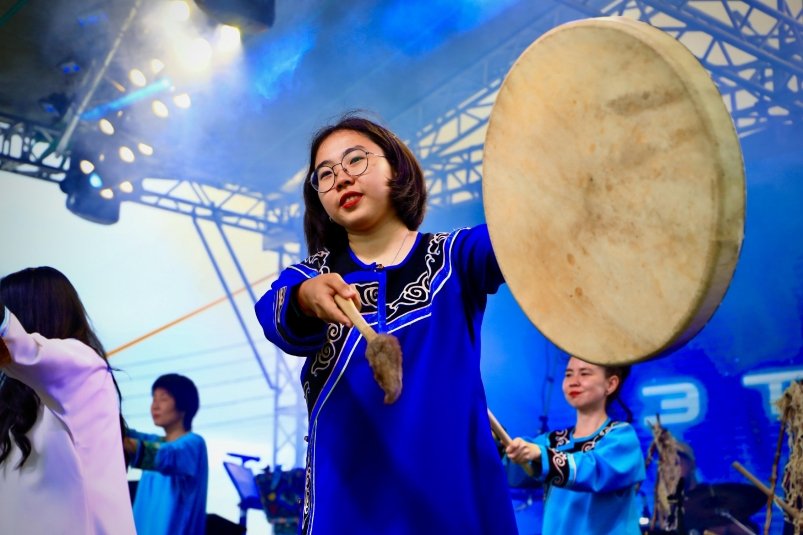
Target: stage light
{"x":126,"y":186}
{"x":69,"y":67}
{"x":145,"y":149}
{"x":137,"y":77}
{"x":84,"y":193}
{"x":95,"y":209}
{"x":159,"y":109}
{"x":55,"y":104}
{"x":106,"y":127}
{"x":107,"y":193}
{"x":157,"y":65}
{"x":92,"y":17}
{"x":95,"y":181}
{"x":182,"y":101}
{"x":117,"y":105}
{"x":86,"y":166}
{"x":196,"y":55}
{"x":249,"y":15}
{"x":179,"y":10}
{"x":228,"y":39}
{"x":126,"y":154}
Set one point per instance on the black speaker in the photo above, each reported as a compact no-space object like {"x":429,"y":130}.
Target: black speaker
{"x":217,"y":525}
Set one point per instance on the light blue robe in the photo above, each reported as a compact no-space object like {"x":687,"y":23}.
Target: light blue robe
{"x":591,"y":482}
{"x":171,"y":496}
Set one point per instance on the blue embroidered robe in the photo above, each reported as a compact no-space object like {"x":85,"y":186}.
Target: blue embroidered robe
{"x":591,"y":481}
{"x":426,"y":464}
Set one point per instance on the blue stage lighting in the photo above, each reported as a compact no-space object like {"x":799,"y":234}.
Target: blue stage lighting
{"x":95,"y":181}
{"x":420,"y":26}
{"x":275,"y":62}
{"x":69,"y":67}
{"x":55,"y":104}
{"x":106,"y":108}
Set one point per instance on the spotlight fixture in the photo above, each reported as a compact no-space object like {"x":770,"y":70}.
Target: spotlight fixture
{"x":249,"y":15}
{"x":157,"y":65}
{"x":145,"y":149}
{"x":69,"y":67}
{"x":137,"y":77}
{"x":182,"y":101}
{"x":126,"y":154}
{"x":106,"y":127}
{"x":86,"y":196}
{"x":55,"y":104}
{"x":159,"y":109}
{"x":86,"y":166}
{"x":95,"y":181}
{"x":179,"y":10}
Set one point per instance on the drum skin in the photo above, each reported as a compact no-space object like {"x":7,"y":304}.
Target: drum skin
{"x":614,"y":190}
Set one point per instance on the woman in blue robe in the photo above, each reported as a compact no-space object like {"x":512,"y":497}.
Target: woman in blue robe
{"x":171,"y":495}
{"x":426,"y":463}
{"x":592,"y":470}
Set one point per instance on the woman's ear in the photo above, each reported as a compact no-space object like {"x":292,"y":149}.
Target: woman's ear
{"x":613,"y":384}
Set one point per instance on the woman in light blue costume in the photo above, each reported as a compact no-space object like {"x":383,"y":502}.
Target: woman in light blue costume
{"x":171,"y":495}
{"x":372,"y":467}
{"x":592,"y":470}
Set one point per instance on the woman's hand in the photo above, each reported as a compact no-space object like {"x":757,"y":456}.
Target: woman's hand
{"x":316,"y":298}
{"x":130,"y":445}
{"x":5,"y":356}
{"x":520,"y":451}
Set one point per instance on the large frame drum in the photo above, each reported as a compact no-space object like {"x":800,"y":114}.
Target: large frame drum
{"x":614,"y":189}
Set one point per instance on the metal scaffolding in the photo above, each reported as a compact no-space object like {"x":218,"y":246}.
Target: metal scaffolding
{"x":753,"y":50}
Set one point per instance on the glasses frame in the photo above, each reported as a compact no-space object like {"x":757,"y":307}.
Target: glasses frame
{"x":313,"y":178}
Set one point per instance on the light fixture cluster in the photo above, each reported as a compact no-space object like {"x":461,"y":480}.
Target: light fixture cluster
{"x":117,"y":145}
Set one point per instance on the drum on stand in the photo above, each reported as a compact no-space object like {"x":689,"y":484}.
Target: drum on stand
{"x":614,"y":189}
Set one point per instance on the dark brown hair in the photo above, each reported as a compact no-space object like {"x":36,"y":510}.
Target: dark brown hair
{"x":45,"y":302}
{"x":408,"y":192}
{"x":622,"y":372}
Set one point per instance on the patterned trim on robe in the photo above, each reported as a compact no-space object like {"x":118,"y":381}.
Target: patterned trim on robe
{"x":145,"y":458}
{"x":561,"y":469}
{"x":429,"y":258}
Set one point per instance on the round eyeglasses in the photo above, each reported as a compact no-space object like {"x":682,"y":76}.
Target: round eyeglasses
{"x":354,"y":163}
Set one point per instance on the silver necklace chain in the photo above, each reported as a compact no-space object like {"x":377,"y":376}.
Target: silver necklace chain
{"x":392,"y":262}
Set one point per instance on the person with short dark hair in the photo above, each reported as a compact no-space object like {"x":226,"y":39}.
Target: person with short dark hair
{"x":61,"y":434}
{"x":591,"y":470}
{"x":376,"y":468}
{"x":171,"y":495}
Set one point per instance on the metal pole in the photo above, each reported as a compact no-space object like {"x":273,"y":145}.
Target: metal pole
{"x":68,"y":132}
